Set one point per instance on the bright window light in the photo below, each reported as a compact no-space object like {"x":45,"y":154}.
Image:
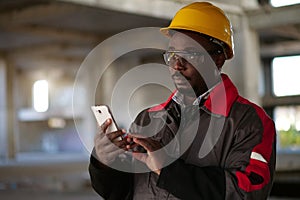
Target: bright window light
{"x":286,"y":72}
{"x":40,"y":96}
{"x":287,"y":121}
{"x":279,"y":3}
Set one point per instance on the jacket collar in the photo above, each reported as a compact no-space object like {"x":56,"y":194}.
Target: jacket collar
{"x":163,"y":105}
{"x":222,"y":97}
{"x":219,"y":100}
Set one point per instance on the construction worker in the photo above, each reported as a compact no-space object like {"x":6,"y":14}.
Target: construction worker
{"x":225,"y":144}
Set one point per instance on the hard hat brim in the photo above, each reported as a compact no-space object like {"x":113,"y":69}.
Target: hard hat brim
{"x":166,"y":31}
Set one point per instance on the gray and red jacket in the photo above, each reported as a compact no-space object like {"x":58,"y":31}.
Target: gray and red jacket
{"x":240,"y":164}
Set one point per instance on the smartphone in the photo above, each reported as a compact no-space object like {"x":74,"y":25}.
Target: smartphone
{"x":102,"y":113}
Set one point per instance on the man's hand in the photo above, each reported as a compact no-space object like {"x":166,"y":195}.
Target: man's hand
{"x":108,"y":145}
{"x":153,"y":159}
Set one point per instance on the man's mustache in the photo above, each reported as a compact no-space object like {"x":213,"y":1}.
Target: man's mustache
{"x":178,"y":75}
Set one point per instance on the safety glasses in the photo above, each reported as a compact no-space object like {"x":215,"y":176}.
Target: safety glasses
{"x":171,"y":57}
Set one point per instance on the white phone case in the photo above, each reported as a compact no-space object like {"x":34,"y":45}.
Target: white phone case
{"x":102,"y":113}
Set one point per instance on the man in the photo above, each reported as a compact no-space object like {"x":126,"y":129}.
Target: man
{"x":225,"y":145}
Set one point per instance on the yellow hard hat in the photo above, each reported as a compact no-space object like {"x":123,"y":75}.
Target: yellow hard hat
{"x":205,"y":18}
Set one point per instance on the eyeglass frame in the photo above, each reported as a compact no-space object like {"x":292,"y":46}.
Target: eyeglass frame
{"x":184,"y":58}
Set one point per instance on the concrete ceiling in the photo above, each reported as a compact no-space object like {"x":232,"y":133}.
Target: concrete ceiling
{"x":60,"y":30}
{"x":69,"y":30}
{"x":278,"y":29}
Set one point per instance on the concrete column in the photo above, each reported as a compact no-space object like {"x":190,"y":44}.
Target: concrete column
{"x":3,"y":112}
{"x":7,"y":110}
{"x":253,"y":67}
{"x":245,"y":68}
{"x":11,"y":110}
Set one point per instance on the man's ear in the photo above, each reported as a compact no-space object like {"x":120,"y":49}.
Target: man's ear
{"x":220,"y":60}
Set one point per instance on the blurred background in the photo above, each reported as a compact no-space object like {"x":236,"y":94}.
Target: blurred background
{"x":42,"y":46}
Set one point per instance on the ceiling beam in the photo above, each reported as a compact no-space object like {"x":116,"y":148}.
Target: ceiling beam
{"x":272,"y":101}
{"x":280,"y":49}
{"x":292,"y":32}
{"x":55,"y":33}
{"x":80,"y":50}
{"x":164,"y":9}
{"x":34,"y":62}
{"x":264,"y":19}
{"x":35,"y":13}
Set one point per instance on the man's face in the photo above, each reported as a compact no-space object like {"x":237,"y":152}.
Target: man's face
{"x":192,"y":69}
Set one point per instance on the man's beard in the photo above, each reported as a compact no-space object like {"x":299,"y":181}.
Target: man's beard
{"x":186,"y":91}
{"x":184,"y":86}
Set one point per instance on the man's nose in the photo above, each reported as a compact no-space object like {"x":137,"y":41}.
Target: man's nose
{"x":179,"y":64}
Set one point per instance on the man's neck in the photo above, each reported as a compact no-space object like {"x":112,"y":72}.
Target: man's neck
{"x":188,"y":100}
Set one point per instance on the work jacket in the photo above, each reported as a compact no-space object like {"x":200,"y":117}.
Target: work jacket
{"x":223,"y":148}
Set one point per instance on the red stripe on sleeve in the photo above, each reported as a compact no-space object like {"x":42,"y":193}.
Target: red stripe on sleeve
{"x":264,"y":148}
{"x":257,"y":167}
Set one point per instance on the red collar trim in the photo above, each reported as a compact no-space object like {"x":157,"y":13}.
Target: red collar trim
{"x":222,"y":97}
{"x":163,"y":105}
{"x":219,"y":101}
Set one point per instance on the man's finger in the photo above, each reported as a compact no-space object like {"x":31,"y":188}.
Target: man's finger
{"x":136,"y":135}
{"x":104,"y":126}
{"x":144,"y":143}
{"x":108,"y":145}
{"x":116,"y":135}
